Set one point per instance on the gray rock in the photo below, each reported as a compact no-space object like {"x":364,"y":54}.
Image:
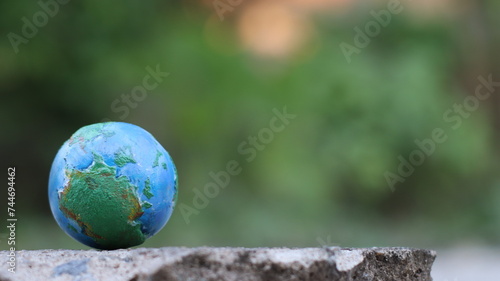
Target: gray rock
{"x":242,"y":264}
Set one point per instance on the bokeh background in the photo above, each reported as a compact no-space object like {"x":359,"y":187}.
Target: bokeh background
{"x":321,"y":180}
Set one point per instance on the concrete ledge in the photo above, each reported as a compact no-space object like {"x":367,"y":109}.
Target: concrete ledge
{"x":242,"y":264}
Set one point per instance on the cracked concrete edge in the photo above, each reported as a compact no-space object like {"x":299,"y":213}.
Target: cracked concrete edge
{"x":245,"y":264}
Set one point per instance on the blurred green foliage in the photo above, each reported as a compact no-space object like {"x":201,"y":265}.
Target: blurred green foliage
{"x":321,"y":179}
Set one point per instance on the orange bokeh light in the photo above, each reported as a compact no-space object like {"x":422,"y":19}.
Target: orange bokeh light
{"x":272,"y":29}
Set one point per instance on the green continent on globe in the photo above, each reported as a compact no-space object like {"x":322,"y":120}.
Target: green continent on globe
{"x":104,"y":206}
{"x":157,"y":158}
{"x":88,"y":133}
{"x":122,"y":157}
{"x":175,"y":185}
{"x":147,"y":189}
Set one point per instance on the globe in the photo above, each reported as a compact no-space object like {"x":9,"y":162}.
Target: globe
{"x":112,"y":186}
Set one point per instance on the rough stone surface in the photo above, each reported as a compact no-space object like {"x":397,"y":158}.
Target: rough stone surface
{"x":242,"y":264}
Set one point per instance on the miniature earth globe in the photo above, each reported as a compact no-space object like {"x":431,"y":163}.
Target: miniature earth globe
{"x":112,"y":185}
